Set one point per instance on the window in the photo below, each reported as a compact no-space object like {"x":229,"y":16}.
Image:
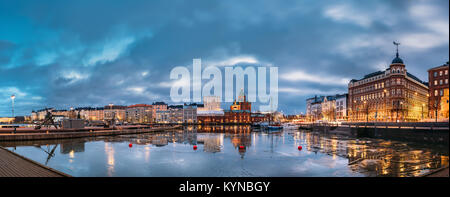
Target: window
{"x":440,"y":82}
{"x":441,"y":93}
{"x":435,"y":82}
{"x":446,"y":81}
{"x":435,"y":92}
{"x":446,"y":72}
{"x":440,"y":73}
{"x":435,"y":74}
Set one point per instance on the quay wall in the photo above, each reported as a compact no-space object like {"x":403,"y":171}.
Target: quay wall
{"x":77,"y":134}
{"x":426,"y":135}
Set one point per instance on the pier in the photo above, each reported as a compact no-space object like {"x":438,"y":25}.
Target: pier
{"x":45,"y":134}
{"x":14,"y":165}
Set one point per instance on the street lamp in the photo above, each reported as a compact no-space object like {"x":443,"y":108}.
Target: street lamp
{"x":423,"y":105}
{"x":12,"y":101}
{"x":367,"y":112}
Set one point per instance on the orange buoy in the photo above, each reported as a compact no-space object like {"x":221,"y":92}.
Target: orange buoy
{"x":241,"y":147}
{"x":130,"y":145}
{"x":195,"y":147}
{"x":300,"y":147}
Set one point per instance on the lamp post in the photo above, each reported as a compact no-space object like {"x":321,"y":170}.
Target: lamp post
{"x":12,"y":101}
{"x":436,"y":111}
{"x":423,"y":105}
{"x":367,"y":111}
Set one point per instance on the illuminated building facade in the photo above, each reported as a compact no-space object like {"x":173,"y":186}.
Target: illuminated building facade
{"x":117,"y":111}
{"x":139,"y":113}
{"x":158,"y":106}
{"x":438,"y":100}
{"x":190,"y":113}
{"x":239,"y":113}
{"x":314,"y":108}
{"x":341,"y":107}
{"x":390,"y":95}
{"x":91,"y":113}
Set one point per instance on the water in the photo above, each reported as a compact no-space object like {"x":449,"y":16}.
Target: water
{"x":171,"y":153}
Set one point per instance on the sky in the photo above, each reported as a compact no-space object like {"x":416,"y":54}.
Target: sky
{"x":81,"y":53}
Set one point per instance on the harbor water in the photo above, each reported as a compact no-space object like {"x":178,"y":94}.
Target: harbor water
{"x":233,"y":151}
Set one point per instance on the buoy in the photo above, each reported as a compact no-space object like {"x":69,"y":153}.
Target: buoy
{"x":195,"y":147}
{"x":299,"y":147}
{"x":241,"y":147}
{"x":130,"y":145}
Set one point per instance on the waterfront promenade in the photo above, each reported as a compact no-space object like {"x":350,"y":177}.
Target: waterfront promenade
{"x":14,"y":165}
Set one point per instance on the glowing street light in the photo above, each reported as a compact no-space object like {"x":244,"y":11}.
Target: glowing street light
{"x":12,"y":100}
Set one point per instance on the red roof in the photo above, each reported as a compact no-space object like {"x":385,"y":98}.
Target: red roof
{"x":139,"y":105}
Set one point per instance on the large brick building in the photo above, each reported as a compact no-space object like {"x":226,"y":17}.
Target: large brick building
{"x":438,"y":101}
{"x":389,"y":95}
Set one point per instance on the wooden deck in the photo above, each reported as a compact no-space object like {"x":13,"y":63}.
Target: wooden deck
{"x":14,"y":165}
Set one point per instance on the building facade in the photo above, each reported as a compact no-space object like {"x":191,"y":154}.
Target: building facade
{"x":438,"y":82}
{"x":115,"y":111}
{"x":139,"y":113}
{"x":314,"y":108}
{"x":91,"y":113}
{"x":158,"y":106}
{"x":329,"y":108}
{"x":190,"y":113}
{"x":390,"y":95}
{"x":341,"y":107}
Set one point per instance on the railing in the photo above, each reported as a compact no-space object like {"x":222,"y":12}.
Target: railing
{"x":400,"y":125}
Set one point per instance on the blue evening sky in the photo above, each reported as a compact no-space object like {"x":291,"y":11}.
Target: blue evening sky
{"x":91,"y":53}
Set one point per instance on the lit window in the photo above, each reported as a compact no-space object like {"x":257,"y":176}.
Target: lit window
{"x":446,"y":81}
{"x":435,"y":92}
{"x":441,"y":93}
{"x":440,"y":82}
{"x":440,"y":73}
{"x":446,"y":72}
{"x":435,"y":82}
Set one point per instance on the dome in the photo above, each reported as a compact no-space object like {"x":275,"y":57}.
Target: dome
{"x":397,"y":60}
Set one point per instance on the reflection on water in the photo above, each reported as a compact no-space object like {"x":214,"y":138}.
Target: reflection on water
{"x":233,"y":151}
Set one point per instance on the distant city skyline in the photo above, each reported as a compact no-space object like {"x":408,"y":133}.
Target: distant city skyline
{"x":82,"y":53}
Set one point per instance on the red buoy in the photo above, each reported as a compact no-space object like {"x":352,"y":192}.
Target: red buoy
{"x":195,"y":147}
{"x":300,"y":147}
{"x":130,"y":145}
{"x":241,"y":147}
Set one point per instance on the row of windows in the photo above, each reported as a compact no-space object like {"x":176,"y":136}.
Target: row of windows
{"x":382,"y":95}
{"x":440,"y":73}
{"x":441,"y":82}
{"x":377,"y":86}
{"x":440,"y":92}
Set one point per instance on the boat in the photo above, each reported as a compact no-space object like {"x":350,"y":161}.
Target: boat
{"x":275,"y":126}
{"x":290,"y":126}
